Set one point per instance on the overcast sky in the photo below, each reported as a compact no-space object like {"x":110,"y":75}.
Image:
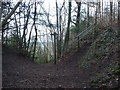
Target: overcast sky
{"x":49,"y":6}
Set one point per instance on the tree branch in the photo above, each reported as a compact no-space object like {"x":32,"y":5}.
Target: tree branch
{"x":10,"y":14}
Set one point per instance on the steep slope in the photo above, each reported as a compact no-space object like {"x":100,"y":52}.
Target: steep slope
{"x":102,"y":58}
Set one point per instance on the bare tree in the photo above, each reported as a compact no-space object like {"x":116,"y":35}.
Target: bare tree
{"x":119,"y":11}
{"x":78,"y":19}
{"x":111,"y":12}
{"x":25,"y":26}
{"x":11,"y":13}
{"x":68,"y":28}
{"x":34,"y":50}
{"x":88,"y":14}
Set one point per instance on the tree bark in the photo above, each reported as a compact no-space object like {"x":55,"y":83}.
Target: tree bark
{"x":87,"y":14}
{"x":78,"y":19}
{"x":119,"y":11}
{"x":111,"y":12}
{"x":25,"y":27}
{"x":68,"y":29}
{"x":0,"y":10}
{"x":34,"y":50}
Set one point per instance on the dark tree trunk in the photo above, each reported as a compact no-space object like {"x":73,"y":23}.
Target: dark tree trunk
{"x":78,"y":20}
{"x":119,"y":11}
{"x":25,"y":27}
{"x":87,"y":14}
{"x":29,"y":38}
{"x":68,"y":29}
{"x":111,"y":12}
{"x":34,"y":50}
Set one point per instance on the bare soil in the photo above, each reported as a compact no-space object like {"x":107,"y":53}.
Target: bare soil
{"x":20,"y":72}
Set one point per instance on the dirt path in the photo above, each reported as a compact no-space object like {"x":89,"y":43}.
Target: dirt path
{"x":20,"y":72}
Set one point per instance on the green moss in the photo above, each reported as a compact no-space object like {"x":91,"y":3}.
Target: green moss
{"x":117,"y":71}
{"x":118,"y":30}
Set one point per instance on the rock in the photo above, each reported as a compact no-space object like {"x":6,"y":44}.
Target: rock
{"x":60,"y":86}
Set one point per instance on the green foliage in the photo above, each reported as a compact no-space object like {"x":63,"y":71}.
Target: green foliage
{"x":110,"y":73}
{"x":118,"y":30}
{"x":42,"y":55}
{"x":79,"y":28}
{"x":117,"y":71}
{"x":13,"y":40}
{"x":100,"y":80}
{"x":104,"y":46}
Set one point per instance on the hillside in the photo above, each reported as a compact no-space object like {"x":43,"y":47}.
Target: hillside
{"x":60,"y":44}
{"x":70,"y":72}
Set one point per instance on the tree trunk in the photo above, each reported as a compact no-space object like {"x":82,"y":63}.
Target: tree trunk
{"x":119,"y":11}
{"x":111,"y":11}
{"x":87,"y":14}
{"x":68,"y":29}
{"x":29,"y":37}
{"x":0,"y":10}
{"x":25,"y":27}
{"x":57,"y":32}
{"x":34,"y":50}
{"x":78,"y":21}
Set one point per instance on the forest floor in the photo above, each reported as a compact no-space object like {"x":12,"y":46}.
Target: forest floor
{"x":20,"y":72}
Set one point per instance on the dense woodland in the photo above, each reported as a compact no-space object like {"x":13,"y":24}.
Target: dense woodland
{"x":67,"y":32}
